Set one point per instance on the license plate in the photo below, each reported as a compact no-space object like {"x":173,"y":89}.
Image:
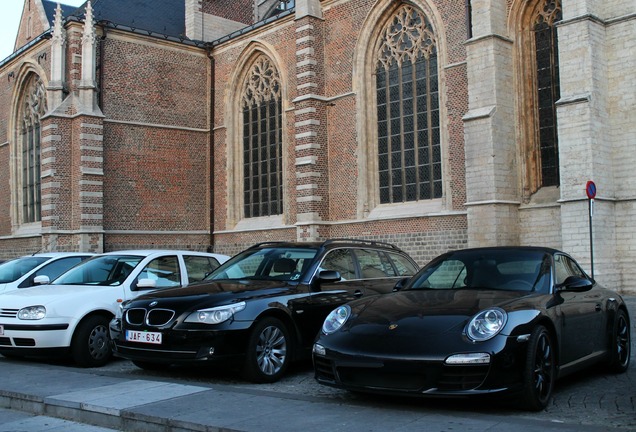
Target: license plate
{"x":143,"y":337}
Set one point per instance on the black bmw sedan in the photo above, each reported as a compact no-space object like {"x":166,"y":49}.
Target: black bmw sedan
{"x":486,"y":321}
{"x":261,"y":309}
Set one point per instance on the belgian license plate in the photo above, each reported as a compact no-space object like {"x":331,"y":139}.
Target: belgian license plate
{"x":143,"y":337}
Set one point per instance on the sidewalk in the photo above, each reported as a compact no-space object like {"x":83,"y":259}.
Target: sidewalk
{"x":118,"y":403}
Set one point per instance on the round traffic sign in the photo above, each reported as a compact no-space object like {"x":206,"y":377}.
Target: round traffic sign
{"x":590,"y":189}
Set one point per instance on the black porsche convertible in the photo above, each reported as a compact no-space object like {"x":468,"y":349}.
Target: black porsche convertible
{"x":502,"y":320}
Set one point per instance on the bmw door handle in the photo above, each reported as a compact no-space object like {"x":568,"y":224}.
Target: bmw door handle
{"x":598,"y":307}
{"x":357,"y":293}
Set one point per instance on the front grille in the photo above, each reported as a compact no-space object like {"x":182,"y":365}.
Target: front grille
{"x":324,"y":368}
{"x":8,"y":313}
{"x":462,"y":377}
{"x":414,"y":377}
{"x":24,"y":342}
{"x":159,"y":317}
{"x":135,"y":316}
{"x":152,"y":318}
{"x":5,"y":341}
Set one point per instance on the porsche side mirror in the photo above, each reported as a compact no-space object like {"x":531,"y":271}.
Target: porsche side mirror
{"x":41,"y":280}
{"x":577,"y":284}
{"x":400,"y":284}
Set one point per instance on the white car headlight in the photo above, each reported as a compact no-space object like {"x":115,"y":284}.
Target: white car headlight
{"x":486,"y":324}
{"x":336,"y":319}
{"x":215,"y":315}
{"x":32,"y":313}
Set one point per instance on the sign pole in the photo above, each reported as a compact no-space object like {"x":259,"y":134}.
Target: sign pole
{"x":590,"y":190}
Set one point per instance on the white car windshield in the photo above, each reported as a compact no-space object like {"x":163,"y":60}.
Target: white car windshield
{"x":110,"y":270}
{"x":13,"y":270}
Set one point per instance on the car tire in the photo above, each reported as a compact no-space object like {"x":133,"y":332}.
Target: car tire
{"x":539,"y":373}
{"x":90,"y":346}
{"x":268,"y":351}
{"x":620,"y":344}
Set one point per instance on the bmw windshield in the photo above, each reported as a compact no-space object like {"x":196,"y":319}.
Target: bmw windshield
{"x":287,"y":264}
{"x":108,"y":270}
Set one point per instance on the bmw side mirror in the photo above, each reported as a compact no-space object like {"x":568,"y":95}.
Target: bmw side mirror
{"x":329,"y":276}
{"x":41,"y":280}
{"x":577,"y":284}
{"x":400,"y":284}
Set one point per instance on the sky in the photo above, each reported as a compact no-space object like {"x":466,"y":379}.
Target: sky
{"x":10,"y":13}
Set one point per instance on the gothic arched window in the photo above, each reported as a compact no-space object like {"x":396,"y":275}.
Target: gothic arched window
{"x":32,"y":109}
{"x":547,"y":89}
{"x":408,"y":119}
{"x":262,"y":141}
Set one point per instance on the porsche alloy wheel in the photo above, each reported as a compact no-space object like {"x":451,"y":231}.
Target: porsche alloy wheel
{"x":268,"y":351}
{"x":539,"y":374}
{"x":620,"y":348}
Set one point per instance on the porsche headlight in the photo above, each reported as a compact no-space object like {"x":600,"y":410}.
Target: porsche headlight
{"x":215,"y":315}
{"x":486,"y":324}
{"x":336,"y":319}
{"x":32,"y":313}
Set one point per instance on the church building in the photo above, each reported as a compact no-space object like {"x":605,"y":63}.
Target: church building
{"x":216,"y":124}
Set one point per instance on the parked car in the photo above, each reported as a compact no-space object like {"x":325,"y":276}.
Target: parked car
{"x":22,"y":272}
{"x":261,"y":310}
{"x":71,"y":315}
{"x":477,"y":322}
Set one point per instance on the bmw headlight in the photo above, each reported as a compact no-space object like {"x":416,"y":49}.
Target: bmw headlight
{"x":32,"y":313}
{"x":215,"y":315}
{"x":336,"y":319}
{"x":486,"y":324}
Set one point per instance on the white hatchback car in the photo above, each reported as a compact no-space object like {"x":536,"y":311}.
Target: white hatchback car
{"x":22,"y":272}
{"x":71,"y":315}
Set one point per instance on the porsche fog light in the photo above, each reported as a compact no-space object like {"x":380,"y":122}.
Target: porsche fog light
{"x":32,"y":313}
{"x":319,"y":350}
{"x":486,"y":324}
{"x":336,"y":319}
{"x":468,"y":359}
{"x":215,"y":315}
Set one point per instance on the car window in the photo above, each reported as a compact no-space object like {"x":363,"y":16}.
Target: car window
{"x":164,"y":271}
{"x":565,"y":267}
{"x":340,"y":260}
{"x":198,"y":267}
{"x":403,"y":266}
{"x":53,"y":269}
{"x":372,"y":265}
{"x":11,"y":271}
{"x":448,"y":274}
{"x":267,"y":263}
{"x":106,"y":270}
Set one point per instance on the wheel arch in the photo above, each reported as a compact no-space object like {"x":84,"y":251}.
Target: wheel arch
{"x":285,"y":317}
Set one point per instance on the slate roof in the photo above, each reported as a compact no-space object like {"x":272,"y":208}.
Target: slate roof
{"x":161,"y":17}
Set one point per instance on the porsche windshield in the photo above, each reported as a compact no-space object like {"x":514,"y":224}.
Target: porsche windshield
{"x":287,"y":264}
{"x":512,"y":270}
{"x":102,"y":270}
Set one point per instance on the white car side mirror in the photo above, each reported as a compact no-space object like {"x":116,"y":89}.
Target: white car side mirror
{"x":41,"y":280}
{"x":146,"y":284}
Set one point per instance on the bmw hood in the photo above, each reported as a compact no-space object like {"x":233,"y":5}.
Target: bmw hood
{"x":213,"y":293}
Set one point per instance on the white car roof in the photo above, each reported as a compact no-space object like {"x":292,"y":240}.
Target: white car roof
{"x":58,"y":254}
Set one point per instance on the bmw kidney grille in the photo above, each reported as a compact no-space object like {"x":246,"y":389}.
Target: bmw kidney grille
{"x":152,"y":317}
